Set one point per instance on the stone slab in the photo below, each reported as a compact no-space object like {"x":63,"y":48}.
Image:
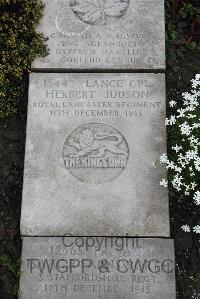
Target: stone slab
{"x":92,"y":140}
{"x":97,"y":268}
{"x":98,"y":34}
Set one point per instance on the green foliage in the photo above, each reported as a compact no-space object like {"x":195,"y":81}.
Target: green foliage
{"x":10,"y":271}
{"x":20,"y":45}
{"x":170,"y":33}
{"x":182,"y":24}
{"x":188,"y":10}
{"x":192,"y":45}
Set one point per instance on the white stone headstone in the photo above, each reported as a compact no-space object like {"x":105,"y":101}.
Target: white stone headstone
{"x":103,"y":34}
{"x":97,"y":268}
{"x":92,"y":144}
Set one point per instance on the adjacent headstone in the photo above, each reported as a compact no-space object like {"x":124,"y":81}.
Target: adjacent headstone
{"x":103,"y":34}
{"x":97,"y":267}
{"x":92,"y":144}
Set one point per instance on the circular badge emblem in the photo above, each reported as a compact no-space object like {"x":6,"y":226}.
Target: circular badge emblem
{"x":66,"y":22}
{"x":99,"y":12}
{"x":95,"y":153}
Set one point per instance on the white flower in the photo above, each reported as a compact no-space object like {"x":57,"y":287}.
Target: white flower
{"x":177,"y":182}
{"x":196,"y":92}
{"x":181,"y":158}
{"x":172,"y":103}
{"x":164,"y":159}
{"x":185,"y":129}
{"x":197,"y":77}
{"x":164,"y":183}
{"x":186,"y":96}
{"x":172,"y":120}
{"x":187,"y":187}
{"x":196,"y":198}
{"x":166,"y":122}
{"x":177,"y":148}
{"x":191,"y":108}
{"x":197,"y":164}
{"x":183,"y":164}
{"x":196,"y":126}
{"x":190,"y":99}
{"x":186,"y":228}
{"x":196,"y":229}
{"x":195,"y":82}
{"x":193,"y":185}
{"x":178,"y":169}
{"x":193,"y":101}
{"x":181,"y":112}
{"x":193,"y":140}
{"x":191,"y":155}
{"x":171,"y":165}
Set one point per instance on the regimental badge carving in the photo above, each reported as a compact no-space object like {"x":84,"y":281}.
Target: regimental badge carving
{"x":95,"y":153}
{"x":99,"y":12}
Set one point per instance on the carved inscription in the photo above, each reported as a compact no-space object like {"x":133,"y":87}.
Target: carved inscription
{"x":99,"y":47}
{"x":103,"y":34}
{"x":88,"y":134}
{"x":98,"y":98}
{"x":111,"y":48}
{"x":100,"y":267}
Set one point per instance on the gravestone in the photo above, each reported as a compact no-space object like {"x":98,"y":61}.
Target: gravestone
{"x":92,"y":144}
{"x":92,"y":150}
{"x":97,"y":268}
{"x":103,"y":34}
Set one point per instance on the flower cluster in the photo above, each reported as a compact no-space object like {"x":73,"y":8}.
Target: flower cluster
{"x":183,"y":160}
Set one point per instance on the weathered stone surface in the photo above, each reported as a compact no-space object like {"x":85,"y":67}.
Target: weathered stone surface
{"x":111,"y":34}
{"x":91,"y":143}
{"x":97,"y":268}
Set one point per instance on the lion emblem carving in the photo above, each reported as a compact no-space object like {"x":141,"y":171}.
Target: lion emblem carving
{"x":97,"y":145}
{"x":95,"y":153}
